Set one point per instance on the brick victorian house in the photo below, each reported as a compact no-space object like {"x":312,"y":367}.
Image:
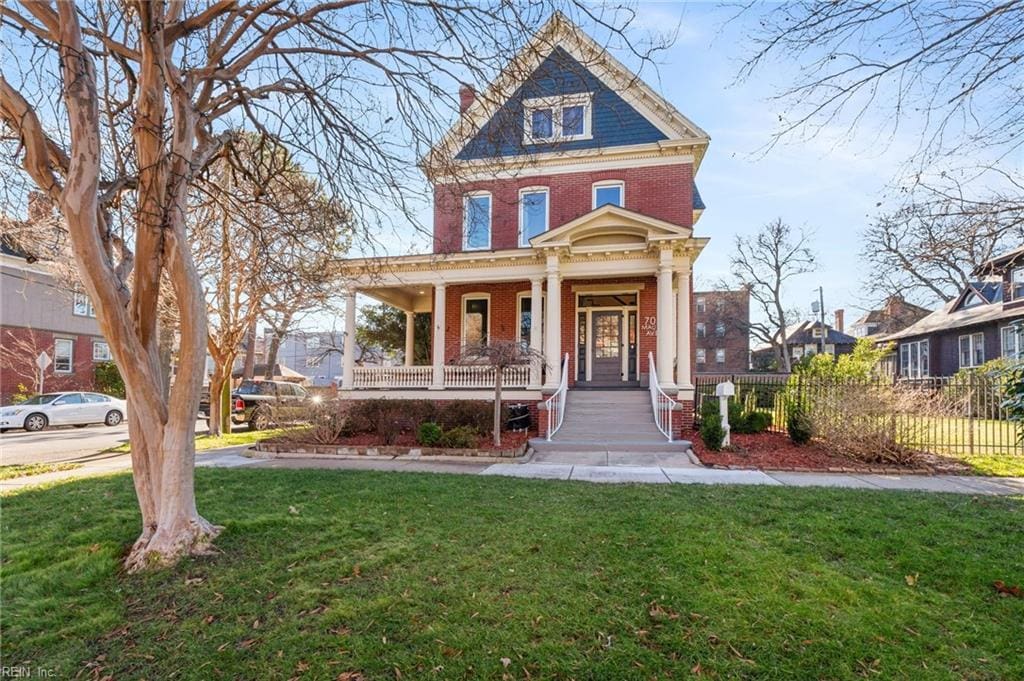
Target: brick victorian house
{"x":564,"y":206}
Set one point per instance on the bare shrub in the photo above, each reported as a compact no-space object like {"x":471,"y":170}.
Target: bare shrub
{"x":874,"y":421}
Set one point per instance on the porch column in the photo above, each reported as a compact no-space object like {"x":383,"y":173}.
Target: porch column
{"x":348,"y":358}
{"x":536,"y":330}
{"x":684,"y":379}
{"x":666,"y":321}
{"x":410,"y":325}
{"x":437,"y":381}
{"x":553,"y":325}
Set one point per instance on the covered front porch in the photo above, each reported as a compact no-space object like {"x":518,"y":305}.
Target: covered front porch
{"x":607,"y":291}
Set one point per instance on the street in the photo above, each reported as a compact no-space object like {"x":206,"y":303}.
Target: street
{"x":65,"y":444}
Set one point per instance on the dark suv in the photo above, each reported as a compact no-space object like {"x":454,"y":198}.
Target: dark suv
{"x":260,"y":403}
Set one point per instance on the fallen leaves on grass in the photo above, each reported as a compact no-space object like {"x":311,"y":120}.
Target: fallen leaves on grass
{"x":1003,"y":590}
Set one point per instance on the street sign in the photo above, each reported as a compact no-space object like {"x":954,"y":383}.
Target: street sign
{"x":43,"y":361}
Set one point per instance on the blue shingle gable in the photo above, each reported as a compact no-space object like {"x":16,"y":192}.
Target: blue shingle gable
{"x":615,"y":123}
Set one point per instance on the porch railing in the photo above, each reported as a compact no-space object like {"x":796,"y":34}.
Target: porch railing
{"x":661,"y":403}
{"x":455,"y":376}
{"x":555,"y":404}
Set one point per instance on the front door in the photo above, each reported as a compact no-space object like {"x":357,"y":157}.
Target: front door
{"x":608,"y":348}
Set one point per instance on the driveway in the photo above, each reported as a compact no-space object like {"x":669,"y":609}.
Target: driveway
{"x":65,"y":444}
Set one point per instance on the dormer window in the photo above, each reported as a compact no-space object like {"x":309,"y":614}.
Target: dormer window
{"x":557,"y":119}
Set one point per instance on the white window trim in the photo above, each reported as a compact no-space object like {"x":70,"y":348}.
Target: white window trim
{"x":1013,"y":281}
{"x":702,"y":330}
{"x":701,"y":305}
{"x":915,"y":347}
{"x":95,"y":344}
{"x":519,"y":311}
{"x":701,"y":356}
{"x":970,"y":349}
{"x":465,"y":220}
{"x":720,"y":352}
{"x":71,"y":356}
{"x":462,"y":315}
{"x":90,"y":311}
{"x":523,"y":241}
{"x":556,"y":104}
{"x":1017,"y":335}
{"x":605,"y":184}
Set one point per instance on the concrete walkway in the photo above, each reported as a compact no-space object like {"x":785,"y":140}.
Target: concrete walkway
{"x":670,"y":470}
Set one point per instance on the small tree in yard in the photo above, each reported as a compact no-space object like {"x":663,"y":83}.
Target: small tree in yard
{"x":499,"y":355}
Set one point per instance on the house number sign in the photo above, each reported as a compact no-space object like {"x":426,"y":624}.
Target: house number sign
{"x":650,"y":326}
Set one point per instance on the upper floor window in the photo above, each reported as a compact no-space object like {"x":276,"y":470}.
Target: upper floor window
{"x":702,"y":329}
{"x":82,"y":306}
{"x":702,"y":355}
{"x":972,"y":350}
{"x":557,"y":119}
{"x":720,"y":328}
{"x":312,"y":343}
{"x":476,"y":224}
{"x":100,"y":351}
{"x":701,"y":306}
{"x":533,"y":213}
{"x":1017,"y":284}
{"x":613,"y":193}
{"x":720,"y":356}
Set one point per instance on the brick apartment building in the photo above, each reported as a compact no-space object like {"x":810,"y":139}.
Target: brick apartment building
{"x":722,"y":332}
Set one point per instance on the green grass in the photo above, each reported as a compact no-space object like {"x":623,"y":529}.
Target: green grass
{"x":441,"y":577}
{"x":22,"y":469}
{"x":206,"y":442}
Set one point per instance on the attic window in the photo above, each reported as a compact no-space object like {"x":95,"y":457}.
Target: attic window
{"x":557,"y":119}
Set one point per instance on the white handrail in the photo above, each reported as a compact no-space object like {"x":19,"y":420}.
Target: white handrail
{"x":661,"y":403}
{"x":555,"y":404}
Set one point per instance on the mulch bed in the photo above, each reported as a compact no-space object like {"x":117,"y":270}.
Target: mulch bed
{"x":775,"y":451}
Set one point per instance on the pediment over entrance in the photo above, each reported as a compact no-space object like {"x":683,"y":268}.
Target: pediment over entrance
{"x":611,"y":227}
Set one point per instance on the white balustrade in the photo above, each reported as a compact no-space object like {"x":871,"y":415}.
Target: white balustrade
{"x":382,"y":378}
{"x":456,"y":376}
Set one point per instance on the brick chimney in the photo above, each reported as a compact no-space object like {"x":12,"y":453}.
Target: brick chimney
{"x":839,"y":322}
{"x":467,"y":95}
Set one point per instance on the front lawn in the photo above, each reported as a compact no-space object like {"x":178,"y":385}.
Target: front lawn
{"x":349,"y":575}
{"x":21,"y":470}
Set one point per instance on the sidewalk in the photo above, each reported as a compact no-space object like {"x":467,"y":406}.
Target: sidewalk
{"x":232,"y":457}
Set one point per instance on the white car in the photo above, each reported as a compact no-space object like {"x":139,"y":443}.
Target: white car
{"x":63,"y":409}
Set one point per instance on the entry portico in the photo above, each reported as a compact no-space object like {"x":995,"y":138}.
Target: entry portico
{"x":612,"y":287}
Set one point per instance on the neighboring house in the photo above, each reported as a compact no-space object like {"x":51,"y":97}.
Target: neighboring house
{"x":804,"y":339}
{"x":564,"y":205}
{"x":895,"y":315}
{"x":314,"y":354}
{"x":38,"y":313}
{"x":722,"y":331}
{"x":983,"y":323}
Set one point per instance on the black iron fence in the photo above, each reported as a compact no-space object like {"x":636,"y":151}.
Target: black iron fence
{"x":961,"y":415}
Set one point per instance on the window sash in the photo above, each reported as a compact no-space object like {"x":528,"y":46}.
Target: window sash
{"x":533,"y":214}
{"x":1017,"y":283}
{"x":542,"y":123}
{"x":720,"y":356}
{"x":63,"y":354}
{"x":972,"y":350}
{"x":914,"y":359}
{"x":82,"y":306}
{"x":573,"y":120}
{"x":100,"y":351}
{"x":477,"y":222}
{"x":475,"y":313}
{"x":720,"y":329}
{"x":611,"y":193}
{"x":702,"y":330}
{"x":701,"y":356}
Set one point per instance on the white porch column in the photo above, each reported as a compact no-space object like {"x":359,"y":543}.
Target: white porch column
{"x":348,"y":359}
{"x":553,"y":325}
{"x":410,"y":340}
{"x":684,"y":378}
{"x":437,"y":381}
{"x":666,"y":321}
{"x":536,"y":330}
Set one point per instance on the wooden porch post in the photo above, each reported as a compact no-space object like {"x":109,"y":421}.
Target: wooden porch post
{"x":437,"y":381}
{"x":410,"y":340}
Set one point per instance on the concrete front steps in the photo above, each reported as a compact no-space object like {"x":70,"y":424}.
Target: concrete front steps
{"x":608,"y":421}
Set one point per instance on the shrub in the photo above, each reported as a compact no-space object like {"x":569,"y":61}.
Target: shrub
{"x":429,"y":434}
{"x":108,"y":379}
{"x":711,"y":431}
{"x":798,"y":424}
{"x":327,"y":422}
{"x":757,"y":422}
{"x":475,"y":414}
{"x":460,"y":437}
{"x":21,"y":394}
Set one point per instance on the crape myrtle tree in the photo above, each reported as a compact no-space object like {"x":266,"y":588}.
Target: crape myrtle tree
{"x":763,"y":263}
{"x":946,"y":72}
{"x":107,"y":104}
{"x":258,"y":225}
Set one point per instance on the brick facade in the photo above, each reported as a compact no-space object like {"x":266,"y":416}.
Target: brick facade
{"x":20,"y":347}
{"x":727,"y":312}
{"x":662,"y":192}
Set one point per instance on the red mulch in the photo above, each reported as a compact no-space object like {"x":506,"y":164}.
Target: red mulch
{"x":509,"y":441}
{"x":775,"y":451}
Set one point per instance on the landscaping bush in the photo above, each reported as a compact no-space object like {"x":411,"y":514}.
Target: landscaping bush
{"x":460,"y":437}
{"x":429,"y":434}
{"x":326,"y":422}
{"x":388,"y":418}
{"x":798,"y":424}
{"x":757,"y":422}
{"x":711,"y":431}
{"x":108,"y":379}
{"x":475,"y":414}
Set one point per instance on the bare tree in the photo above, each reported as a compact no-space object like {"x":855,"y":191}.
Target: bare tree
{"x":499,"y":355}
{"x":954,"y":67}
{"x":764,"y":263}
{"x":356,"y":90}
{"x":929,"y":246}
